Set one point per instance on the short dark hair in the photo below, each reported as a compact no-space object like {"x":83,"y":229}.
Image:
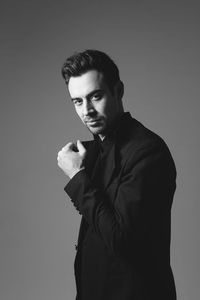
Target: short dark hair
{"x":81,"y":62}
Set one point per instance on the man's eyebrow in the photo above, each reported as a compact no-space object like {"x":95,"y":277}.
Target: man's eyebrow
{"x":73,"y":99}
{"x":95,"y":92}
{"x":89,"y":95}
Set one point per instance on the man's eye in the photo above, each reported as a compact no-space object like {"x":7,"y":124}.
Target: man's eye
{"x":77,"y":101}
{"x":96,"y":97}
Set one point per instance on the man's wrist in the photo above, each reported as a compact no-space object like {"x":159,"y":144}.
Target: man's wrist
{"x":75,"y":172}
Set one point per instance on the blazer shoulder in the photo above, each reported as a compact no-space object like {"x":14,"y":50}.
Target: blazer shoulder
{"x":138,"y":141}
{"x":137,"y":136}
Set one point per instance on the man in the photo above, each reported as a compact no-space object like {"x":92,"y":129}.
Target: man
{"x":122,"y":183}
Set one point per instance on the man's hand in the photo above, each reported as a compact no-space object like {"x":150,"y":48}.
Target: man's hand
{"x":71,"y":158}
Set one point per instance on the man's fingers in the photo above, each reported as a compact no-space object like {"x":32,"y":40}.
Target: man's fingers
{"x":81,"y":148}
{"x":72,"y":147}
{"x":69,"y":146}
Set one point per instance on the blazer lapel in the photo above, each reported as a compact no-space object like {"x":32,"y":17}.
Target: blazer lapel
{"x":109,"y":164}
{"x":91,"y":156}
{"x":108,"y":171}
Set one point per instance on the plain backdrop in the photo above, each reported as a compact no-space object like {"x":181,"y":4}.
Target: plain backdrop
{"x":156,"y":46}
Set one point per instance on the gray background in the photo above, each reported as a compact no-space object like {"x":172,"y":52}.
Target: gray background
{"x":156,"y":46}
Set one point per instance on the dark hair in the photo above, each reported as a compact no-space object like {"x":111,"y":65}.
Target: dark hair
{"x":81,"y":62}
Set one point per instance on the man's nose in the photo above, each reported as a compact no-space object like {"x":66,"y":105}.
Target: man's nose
{"x":87,"y":108}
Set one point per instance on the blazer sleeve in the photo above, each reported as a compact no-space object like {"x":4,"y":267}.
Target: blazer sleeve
{"x":144,"y":196}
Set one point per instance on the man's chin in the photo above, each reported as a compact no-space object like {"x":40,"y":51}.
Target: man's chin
{"x":96,"y":130}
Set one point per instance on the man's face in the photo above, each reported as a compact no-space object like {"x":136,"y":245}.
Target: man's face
{"x":94,"y":103}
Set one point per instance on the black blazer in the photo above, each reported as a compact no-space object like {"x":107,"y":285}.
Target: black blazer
{"x":123,"y":250}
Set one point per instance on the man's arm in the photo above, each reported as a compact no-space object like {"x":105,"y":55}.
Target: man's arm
{"x":144,"y":195}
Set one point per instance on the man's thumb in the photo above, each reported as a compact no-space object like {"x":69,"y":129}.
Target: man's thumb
{"x":81,"y":148}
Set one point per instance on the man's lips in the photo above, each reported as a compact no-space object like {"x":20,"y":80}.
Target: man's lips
{"x":93,"y":121}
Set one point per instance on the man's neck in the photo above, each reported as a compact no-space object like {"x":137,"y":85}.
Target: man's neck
{"x":103,"y":136}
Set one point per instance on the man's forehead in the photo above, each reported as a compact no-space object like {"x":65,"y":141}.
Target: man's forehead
{"x":84,"y":84}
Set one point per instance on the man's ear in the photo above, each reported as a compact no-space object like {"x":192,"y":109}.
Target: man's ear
{"x":119,"y":90}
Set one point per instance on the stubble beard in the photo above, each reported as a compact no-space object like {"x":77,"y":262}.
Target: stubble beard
{"x":101,"y":129}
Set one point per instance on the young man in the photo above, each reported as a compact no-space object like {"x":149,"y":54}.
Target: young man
{"x":122,"y":183}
